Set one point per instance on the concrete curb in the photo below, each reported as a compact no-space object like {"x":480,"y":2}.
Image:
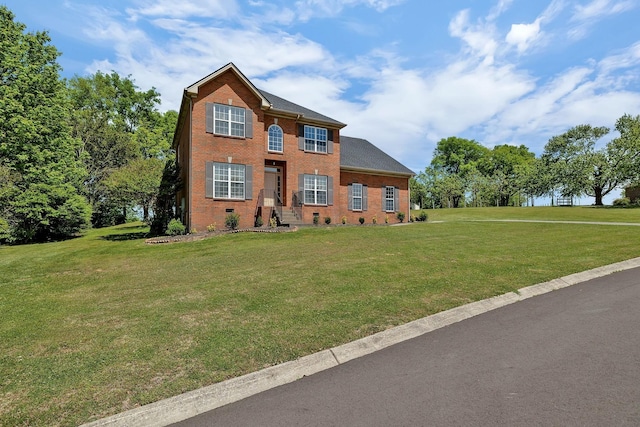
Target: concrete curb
{"x":190,"y":404}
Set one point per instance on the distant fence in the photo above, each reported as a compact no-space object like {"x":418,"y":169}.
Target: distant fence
{"x":565,"y":201}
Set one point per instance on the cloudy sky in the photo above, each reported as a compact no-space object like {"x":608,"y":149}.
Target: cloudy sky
{"x":402,"y":73}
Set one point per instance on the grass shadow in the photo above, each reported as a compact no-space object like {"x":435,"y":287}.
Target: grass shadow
{"x":125,"y":236}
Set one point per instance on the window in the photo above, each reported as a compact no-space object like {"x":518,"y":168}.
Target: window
{"x":315,"y":139}
{"x":357,"y":197}
{"x":315,"y":190}
{"x":275,"y":138}
{"x":229,"y":120}
{"x":389,"y":200}
{"x":228,"y":181}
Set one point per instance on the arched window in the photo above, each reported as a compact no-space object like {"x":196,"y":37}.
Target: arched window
{"x":275,"y":138}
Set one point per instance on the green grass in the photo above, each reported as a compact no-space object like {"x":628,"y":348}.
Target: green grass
{"x":545,"y":213}
{"x":100,"y":324}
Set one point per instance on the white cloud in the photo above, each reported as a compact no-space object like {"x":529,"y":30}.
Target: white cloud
{"x":600,"y":8}
{"x":307,"y":9}
{"x":185,"y":8}
{"x":523,"y":35}
{"x":585,"y":16}
{"x":479,"y":38}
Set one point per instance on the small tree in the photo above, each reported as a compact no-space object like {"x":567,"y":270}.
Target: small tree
{"x":232,"y":220}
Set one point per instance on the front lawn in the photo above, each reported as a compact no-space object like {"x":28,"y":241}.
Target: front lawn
{"x":100,"y":324}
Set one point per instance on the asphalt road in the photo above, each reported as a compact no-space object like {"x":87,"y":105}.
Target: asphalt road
{"x":566,"y":358}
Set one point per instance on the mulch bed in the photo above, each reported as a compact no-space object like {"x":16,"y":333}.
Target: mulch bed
{"x":193,"y":237}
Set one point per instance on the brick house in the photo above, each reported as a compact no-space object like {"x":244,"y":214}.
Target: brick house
{"x":244,"y":150}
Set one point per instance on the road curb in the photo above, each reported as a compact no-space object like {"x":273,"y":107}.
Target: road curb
{"x":190,"y":404}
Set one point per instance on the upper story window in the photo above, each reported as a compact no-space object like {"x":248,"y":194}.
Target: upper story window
{"x":229,"y":120}
{"x":315,"y":139}
{"x":275,"y":138}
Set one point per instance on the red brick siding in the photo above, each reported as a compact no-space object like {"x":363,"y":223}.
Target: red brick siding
{"x":374,"y":205}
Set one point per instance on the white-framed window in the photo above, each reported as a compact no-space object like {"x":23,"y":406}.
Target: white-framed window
{"x":229,"y":120}
{"x":315,"y":139}
{"x":390,"y":200}
{"x":315,"y":190}
{"x":356,"y":195}
{"x":228,"y":181}
{"x":275,"y":138}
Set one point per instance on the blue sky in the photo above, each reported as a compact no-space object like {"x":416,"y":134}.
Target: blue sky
{"x":401,"y":73}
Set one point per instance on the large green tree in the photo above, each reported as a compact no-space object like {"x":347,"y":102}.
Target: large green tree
{"x":453,"y":167}
{"x":117,"y":123}
{"x":503,"y":164}
{"x":37,"y":150}
{"x":577,"y":167}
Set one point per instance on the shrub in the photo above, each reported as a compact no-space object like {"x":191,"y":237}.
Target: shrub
{"x":327,"y":220}
{"x":211,"y":227}
{"x":273,"y":222}
{"x":400,"y":216}
{"x":374,"y":219}
{"x":624,"y":201}
{"x":422,"y":216}
{"x":361,"y":220}
{"x":175,"y":227}
{"x":232,"y":220}
{"x":316,"y":219}
{"x":193,"y":230}
{"x":386,"y":219}
{"x":344,"y":220}
{"x":259,"y":221}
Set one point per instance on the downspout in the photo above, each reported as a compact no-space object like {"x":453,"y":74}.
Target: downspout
{"x":189,"y":187}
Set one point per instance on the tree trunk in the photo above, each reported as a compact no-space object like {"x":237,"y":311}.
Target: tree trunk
{"x":598,"y":194}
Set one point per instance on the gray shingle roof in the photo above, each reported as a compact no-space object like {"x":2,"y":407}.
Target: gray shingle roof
{"x":284,"y":105}
{"x":359,"y":153}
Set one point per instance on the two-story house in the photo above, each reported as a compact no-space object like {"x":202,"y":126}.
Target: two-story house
{"x":243,"y":150}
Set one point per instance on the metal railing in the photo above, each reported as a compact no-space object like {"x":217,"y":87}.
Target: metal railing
{"x":296,"y":204}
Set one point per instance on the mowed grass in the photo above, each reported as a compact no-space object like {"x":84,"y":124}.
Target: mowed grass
{"x":100,"y":324}
{"x":543,"y":213}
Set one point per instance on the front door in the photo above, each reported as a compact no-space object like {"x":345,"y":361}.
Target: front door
{"x":272,"y":185}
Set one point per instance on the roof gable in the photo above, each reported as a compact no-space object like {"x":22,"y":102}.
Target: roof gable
{"x":269,"y":102}
{"x":194,"y":88}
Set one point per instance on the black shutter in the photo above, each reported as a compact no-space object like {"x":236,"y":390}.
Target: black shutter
{"x":248,"y":182}
{"x":209,"y":117}
{"x":209,"y":180}
{"x":301,"y":137}
{"x":248,"y":123}
{"x":396,"y":199}
{"x":365,"y":197}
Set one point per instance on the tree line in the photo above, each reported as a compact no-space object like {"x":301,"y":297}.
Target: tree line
{"x":463,"y":172}
{"x":74,"y":153}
